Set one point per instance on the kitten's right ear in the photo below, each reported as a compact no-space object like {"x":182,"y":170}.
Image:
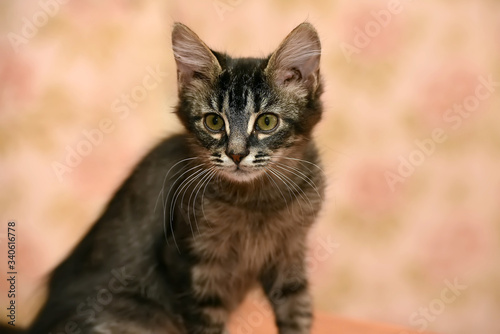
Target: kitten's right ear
{"x":194,"y":59}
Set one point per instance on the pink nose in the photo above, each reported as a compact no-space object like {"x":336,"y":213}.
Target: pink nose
{"x":236,"y":157}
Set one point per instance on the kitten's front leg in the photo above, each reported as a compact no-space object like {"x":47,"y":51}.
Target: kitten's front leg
{"x":206,"y":312}
{"x":205,"y":316}
{"x":286,"y":287}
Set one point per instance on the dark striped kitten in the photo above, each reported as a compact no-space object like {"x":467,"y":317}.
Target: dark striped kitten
{"x":211,"y":213}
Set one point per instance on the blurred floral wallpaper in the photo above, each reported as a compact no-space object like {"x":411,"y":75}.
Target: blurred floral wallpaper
{"x":410,"y":139}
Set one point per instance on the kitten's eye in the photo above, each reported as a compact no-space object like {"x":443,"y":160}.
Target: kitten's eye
{"x":214,"y":122}
{"x":266,"y":123}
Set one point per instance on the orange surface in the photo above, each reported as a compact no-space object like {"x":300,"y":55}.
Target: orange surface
{"x":255,"y":317}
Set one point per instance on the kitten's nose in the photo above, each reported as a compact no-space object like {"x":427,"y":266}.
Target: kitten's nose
{"x":237,"y":157}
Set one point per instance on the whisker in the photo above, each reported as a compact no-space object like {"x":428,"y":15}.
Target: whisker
{"x":277,"y":187}
{"x":290,"y":190}
{"x":185,"y":183}
{"x":305,"y":161}
{"x":271,"y":170}
{"x":183,"y":186}
{"x":203,"y":196}
{"x":198,"y":175}
{"x":207,"y":179}
{"x":162,"y":191}
{"x":198,"y":185}
{"x":180,"y":176}
{"x":165,"y":206}
{"x":166,"y":174}
{"x":301,"y":193}
{"x":299,"y":174}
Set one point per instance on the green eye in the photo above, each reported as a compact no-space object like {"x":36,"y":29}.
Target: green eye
{"x":267,"y":122}
{"x":214,"y":122}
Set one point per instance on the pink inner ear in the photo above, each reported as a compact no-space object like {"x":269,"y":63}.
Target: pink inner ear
{"x":296,"y":61}
{"x":288,"y":76}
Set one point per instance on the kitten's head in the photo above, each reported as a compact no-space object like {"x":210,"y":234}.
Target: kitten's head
{"x":247,"y":113}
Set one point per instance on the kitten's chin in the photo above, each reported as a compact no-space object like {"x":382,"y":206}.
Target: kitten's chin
{"x":242,"y":175}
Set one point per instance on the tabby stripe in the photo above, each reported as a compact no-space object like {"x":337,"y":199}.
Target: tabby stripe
{"x":288,"y":290}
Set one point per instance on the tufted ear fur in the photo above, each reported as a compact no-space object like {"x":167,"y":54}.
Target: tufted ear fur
{"x":296,"y":61}
{"x":195,"y":61}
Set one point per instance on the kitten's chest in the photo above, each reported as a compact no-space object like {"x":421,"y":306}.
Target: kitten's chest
{"x":244,"y":240}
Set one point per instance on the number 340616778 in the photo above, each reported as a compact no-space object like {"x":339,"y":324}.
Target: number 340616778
{"x":11,"y":237}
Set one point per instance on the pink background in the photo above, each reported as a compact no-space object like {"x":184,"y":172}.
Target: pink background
{"x":379,"y":252}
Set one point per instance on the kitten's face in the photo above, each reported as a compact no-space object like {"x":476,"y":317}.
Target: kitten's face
{"x":246,"y":113}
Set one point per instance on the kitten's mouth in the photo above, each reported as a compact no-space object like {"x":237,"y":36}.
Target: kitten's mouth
{"x":241,"y":170}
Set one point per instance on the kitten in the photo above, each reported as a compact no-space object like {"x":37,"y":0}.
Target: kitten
{"x":209,"y":214}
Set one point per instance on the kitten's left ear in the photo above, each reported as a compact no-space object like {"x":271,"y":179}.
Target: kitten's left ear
{"x":296,"y":61}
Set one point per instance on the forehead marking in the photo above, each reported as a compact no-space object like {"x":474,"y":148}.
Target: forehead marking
{"x":249,"y":108}
{"x":251,"y":122}
{"x":224,"y":110}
